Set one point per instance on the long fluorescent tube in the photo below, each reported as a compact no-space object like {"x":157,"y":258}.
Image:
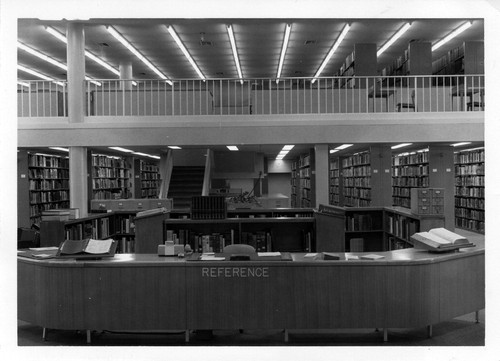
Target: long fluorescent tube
{"x":334,"y":150}
{"x":50,"y":60}
{"x":39,"y":75}
{"x":343,"y":146}
{"x":395,"y":37}
{"x":401,"y":145}
{"x":460,"y":144}
{"x":288,"y":147}
{"x":174,"y":147}
{"x":232,"y":147}
{"x":26,"y":85}
{"x":451,"y":35}
{"x":283,"y":51}
{"x":88,"y":54}
{"x":332,"y":51}
{"x":184,"y":50}
{"x":235,"y":52}
{"x":120,"y":149}
{"x":60,"y":148}
{"x":136,"y":52}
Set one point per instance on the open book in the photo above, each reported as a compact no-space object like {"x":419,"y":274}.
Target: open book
{"x":87,"y":248}
{"x":440,"y":238}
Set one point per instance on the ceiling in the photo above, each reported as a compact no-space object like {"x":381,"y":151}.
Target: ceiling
{"x":259,"y":43}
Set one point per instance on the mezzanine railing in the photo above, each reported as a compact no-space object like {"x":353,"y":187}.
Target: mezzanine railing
{"x":332,"y":95}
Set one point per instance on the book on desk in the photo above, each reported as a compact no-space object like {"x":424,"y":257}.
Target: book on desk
{"x":440,"y":240}
{"x":87,"y":249}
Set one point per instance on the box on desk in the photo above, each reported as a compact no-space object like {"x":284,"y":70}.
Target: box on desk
{"x":427,"y":201}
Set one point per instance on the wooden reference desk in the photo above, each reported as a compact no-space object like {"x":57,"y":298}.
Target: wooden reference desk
{"x":407,"y":288}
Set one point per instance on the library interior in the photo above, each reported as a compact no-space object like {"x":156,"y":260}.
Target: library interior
{"x":327,"y":176}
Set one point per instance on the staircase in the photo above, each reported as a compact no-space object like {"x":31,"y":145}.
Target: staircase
{"x":185,"y":183}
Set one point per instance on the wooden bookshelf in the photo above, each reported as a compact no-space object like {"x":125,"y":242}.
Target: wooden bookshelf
{"x":469,"y":189}
{"x":43,"y":184}
{"x":110,"y":177}
{"x":468,"y":58}
{"x":294,"y":199}
{"x":361,"y":62}
{"x":356,"y":180}
{"x":147,"y":180}
{"x":409,"y":170}
{"x":302,"y":181}
{"x":335,"y":183}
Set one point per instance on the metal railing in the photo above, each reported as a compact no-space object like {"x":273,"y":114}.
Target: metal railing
{"x":42,"y":98}
{"x":327,"y":95}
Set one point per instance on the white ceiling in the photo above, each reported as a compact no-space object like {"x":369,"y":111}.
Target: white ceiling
{"x":259,"y":43}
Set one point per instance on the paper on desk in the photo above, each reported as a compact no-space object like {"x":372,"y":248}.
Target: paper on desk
{"x":268,"y":254}
{"x":310,"y":255}
{"x":44,"y":249}
{"x":98,"y":246}
{"x":211,"y":257}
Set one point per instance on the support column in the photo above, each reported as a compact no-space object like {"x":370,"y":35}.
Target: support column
{"x":78,"y":180}
{"x":78,"y":169}
{"x":125,"y":74}
{"x":321,"y":184}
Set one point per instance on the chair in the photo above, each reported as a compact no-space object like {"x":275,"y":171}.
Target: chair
{"x":239,"y":249}
{"x":408,"y":105}
{"x":473,"y":105}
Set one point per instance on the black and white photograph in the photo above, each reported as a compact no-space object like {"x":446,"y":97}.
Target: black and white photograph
{"x":249,"y":180}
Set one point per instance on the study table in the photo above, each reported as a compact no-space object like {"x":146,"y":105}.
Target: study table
{"x":408,"y":288}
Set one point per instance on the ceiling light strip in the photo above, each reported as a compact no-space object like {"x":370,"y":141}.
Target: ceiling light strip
{"x":451,"y":35}
{"x":184,"y":50}
{"x":394,"y":38}
{"x":283,"y":51}
{"x":136,"y":52}
{"x":401,"y":145}
{"x":232,"y":148}
{"x":332,"y":51}
{"x":235,"y":52}
{"x":39,"y":75}
{"x":50,"y":60}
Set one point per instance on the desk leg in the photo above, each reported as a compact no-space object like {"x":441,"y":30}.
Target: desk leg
{"x":44,"y":334}
{"x":385,"y":335}
{"x":429,"y":331}
{"x":186,"y":337}
{"x":89,"y":340}
{"x":477,"y":316}
{"x":286,"y":335}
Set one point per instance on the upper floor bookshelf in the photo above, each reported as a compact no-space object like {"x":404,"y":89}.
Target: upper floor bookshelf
{"x":362,"y":61}
{"x":467,"y":58}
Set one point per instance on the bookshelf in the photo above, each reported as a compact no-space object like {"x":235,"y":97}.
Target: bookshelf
{"x":467,"y":58}
{"x":415,"y":60}
{"x":110,"y":177}
{"x":369,"y":229}
{"x":469,"y":189}
{"x":361,"y":62}
{"x":409,"y":170}
{"x":335,"y":183}
{"x":43,"y":184}
{"x":356,"y":180}
{"x":302,"y":181}
{"x":147,"y":180}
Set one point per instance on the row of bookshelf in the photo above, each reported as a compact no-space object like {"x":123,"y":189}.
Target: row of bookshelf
{"x":473,"y":225}
{"x":470,"y":169}
{"x":37,"y":209}
{"x":110,"y":173}
{"x":473,"y":203}
{"x":109,"y":161}
{"x":410,"y":171}
{"x":356,"y":202}
{"x":358,"y":159}
{"x":410,"y":182}
{"x":364,"y":182}
{"x":105,"y":183}
{"x":46,"y":185}
{"x":473,"y":214}
{"x":48,"y":173}
{"x":49,"y":196}
{"x":47,"y":161}
{"x":401,"y":201}
{"x":116,"y":193}
{"x":469,"y":181}
{"x":358,"y":193}
{"x":475,"y":192}
{"x":473,"y":156}
{"x":413,"y":158}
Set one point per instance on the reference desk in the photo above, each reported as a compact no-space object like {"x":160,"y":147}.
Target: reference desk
{"x":408,"y":288}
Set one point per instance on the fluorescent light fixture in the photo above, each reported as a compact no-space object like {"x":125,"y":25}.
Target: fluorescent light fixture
{"x":120,"y":149}
{"x":332,"y":51}
{"x":283,"y":51}
{"x":26,"y":85}
{"x":343,"y":146}
{"x":174,"y":147}
{"x":235,"y":52}
{"x":42,"y":56}
{"x":60,"y":148}
{"x":39,"y":75}
{"x":460,"y":144}
{"x":451,"y":35}
{"x":395,"y":37}
{"x":154,"y":156}
{"x":232,"y":147}
{"x":334,"y":150}
{"x":136,"y":52}
{"x":88,"y":54}
{"x":288,"y":147}
{"x":284,"y":151}
{"x":139,"y":153}
{"x":401,"y":145}
{"x":184,"y":50}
